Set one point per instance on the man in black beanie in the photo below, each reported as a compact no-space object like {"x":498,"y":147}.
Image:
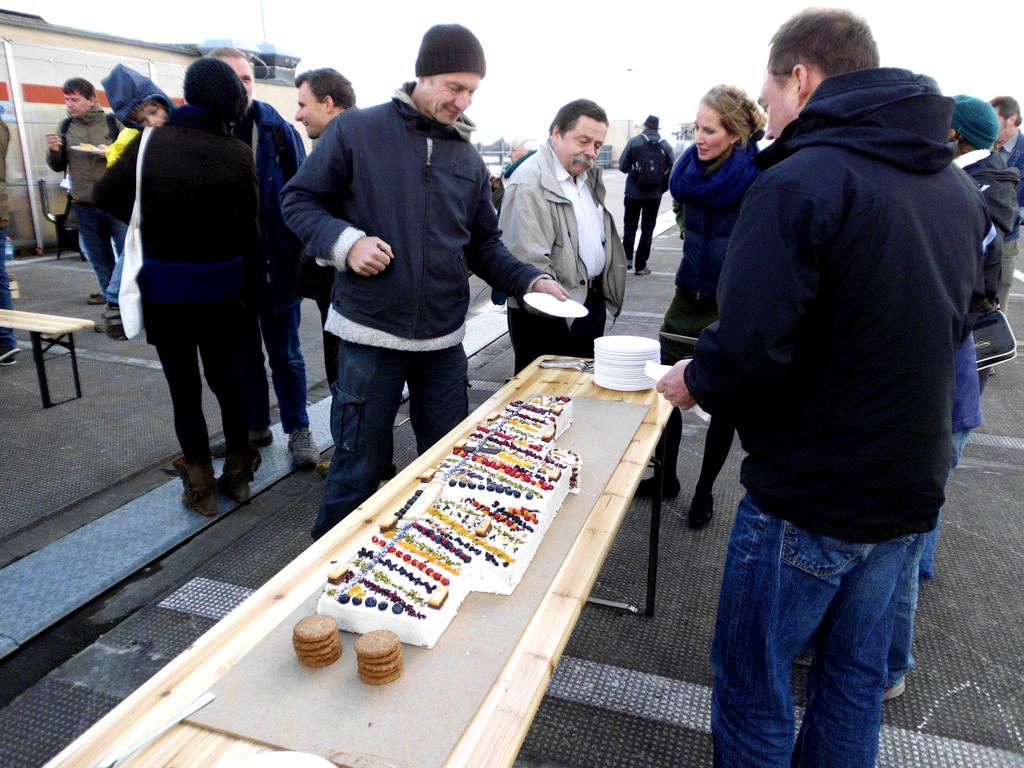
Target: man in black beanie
{"x":398,"y":202}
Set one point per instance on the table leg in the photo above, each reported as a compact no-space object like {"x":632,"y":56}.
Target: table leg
{"x":37,"y":355}
{"x":658,"y":463}
{"x":652,"y":553}
{"x":74,"y":364}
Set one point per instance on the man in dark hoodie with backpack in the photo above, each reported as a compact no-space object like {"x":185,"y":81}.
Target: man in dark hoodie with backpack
{"x":843,"y":300}
{"x":646,"y":160}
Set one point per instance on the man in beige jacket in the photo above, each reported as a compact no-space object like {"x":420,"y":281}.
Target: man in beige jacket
{"x":553,"y":217}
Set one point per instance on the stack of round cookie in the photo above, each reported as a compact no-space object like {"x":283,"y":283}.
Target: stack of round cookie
{"x":316,"y":641}
{"x":379,"y":655}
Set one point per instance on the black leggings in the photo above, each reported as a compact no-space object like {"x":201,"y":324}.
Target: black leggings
{"x":717,"y":445}
{"x":221,"y":368}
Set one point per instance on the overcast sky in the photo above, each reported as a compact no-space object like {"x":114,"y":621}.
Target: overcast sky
{"x":646,"y":57}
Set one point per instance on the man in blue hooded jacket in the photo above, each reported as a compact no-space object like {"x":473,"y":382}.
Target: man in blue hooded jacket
{"x":399,"y":202}
{"x":843,"y":299}
{"x":277,"y":312}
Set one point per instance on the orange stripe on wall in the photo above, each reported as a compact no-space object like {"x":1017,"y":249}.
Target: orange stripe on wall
{"x":52,"y":94}
{"x":5,"y":94}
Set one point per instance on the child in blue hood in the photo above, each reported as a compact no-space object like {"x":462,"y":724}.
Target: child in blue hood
{"x":138,"y":103}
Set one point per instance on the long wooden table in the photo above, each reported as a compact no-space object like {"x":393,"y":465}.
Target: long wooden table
{"x":493,"y":737}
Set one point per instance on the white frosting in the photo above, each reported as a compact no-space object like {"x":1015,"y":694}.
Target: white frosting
{"x":441,"y":528}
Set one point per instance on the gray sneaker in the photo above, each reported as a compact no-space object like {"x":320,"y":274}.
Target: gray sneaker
{"x":302,"y":448}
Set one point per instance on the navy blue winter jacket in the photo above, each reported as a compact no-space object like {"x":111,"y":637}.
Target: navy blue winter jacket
{"x":842,"y":302}
{"x":396,"y":174}
{"x":712,"y":205}
{"x":279,"y":153}
{"x":1016,"y":160}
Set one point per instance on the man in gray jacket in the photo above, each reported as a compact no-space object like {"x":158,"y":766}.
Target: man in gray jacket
{"x":553,"y":217}
{"x":398,"y":201}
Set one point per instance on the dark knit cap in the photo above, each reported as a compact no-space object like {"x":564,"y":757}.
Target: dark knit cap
{"x":652,"y":122}
{"x":212,"y":85}
{"x":450,"y":48}
{"x":976,"y":121}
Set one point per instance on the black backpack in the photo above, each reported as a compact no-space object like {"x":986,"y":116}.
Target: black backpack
{"x":650,"y":164}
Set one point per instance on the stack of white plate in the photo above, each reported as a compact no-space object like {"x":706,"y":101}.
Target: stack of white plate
{"x":619,"y":362}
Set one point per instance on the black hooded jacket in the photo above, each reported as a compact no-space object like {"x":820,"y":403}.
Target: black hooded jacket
{"x":998,"y":185}
{"x":843,"y":298}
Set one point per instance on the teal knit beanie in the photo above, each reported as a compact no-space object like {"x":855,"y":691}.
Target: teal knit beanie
{"x":976,"y":121}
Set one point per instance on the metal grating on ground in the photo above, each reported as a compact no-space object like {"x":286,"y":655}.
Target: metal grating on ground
{"x":688,"y":706}
{"x":486,"y":386}
{"x":54,"y":713}
{"x":282,"y":537}
{"x":160,"y":634}
{"x":651,"y":697}
{"x":206,"y":597}
{"x":996,"y":441}
{"x":484,"y":329}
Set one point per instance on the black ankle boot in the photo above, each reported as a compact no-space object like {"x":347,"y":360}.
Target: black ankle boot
{"x":702,"y":509}
{"x":669,"y":488}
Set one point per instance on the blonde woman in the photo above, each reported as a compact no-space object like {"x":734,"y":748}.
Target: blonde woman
{"x":707,"y":185}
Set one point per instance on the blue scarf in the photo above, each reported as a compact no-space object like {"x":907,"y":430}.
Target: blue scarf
{"x":690,"y":183}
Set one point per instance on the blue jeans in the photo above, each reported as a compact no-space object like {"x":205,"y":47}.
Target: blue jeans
{"x":114,"y":286}
{"x":101,"y":240}
{"x":366,"y":398}
{"x":784,"y":588}
{"x":279,"y":331}
{"x":6,"y":334}
{"x":920,"y":564}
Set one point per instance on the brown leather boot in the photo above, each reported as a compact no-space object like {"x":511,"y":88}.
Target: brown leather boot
{"x":200,"y":489}
{"x":238,"y":473}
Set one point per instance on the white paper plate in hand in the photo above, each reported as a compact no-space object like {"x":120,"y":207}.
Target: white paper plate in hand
{"x":549,"y":305}
{"x":657,"y":372}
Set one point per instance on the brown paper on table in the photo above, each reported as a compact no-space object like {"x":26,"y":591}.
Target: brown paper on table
{"x":271,"y":698}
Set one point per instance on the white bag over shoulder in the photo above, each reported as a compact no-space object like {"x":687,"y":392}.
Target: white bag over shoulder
{"x":129,"y":298}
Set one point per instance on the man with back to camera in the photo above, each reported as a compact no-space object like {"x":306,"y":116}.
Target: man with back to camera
{"x":100,"y":235}
{"x":842,"y":302}
{"x":646,"y":161}
{"x":1010,"y":147}
{"x":553,"y":216}
{"x":398,"y":201}
{"x":277,"y":314}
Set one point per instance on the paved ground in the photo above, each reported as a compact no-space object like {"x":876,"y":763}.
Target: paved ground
{"x":629,"y":691}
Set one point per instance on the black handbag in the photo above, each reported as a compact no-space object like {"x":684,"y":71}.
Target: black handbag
{"x":994,"y":341}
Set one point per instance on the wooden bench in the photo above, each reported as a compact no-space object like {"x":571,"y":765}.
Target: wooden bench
{"x":51,"y":330}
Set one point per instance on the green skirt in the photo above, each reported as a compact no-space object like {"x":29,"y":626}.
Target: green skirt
{"x":686,"y":318}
